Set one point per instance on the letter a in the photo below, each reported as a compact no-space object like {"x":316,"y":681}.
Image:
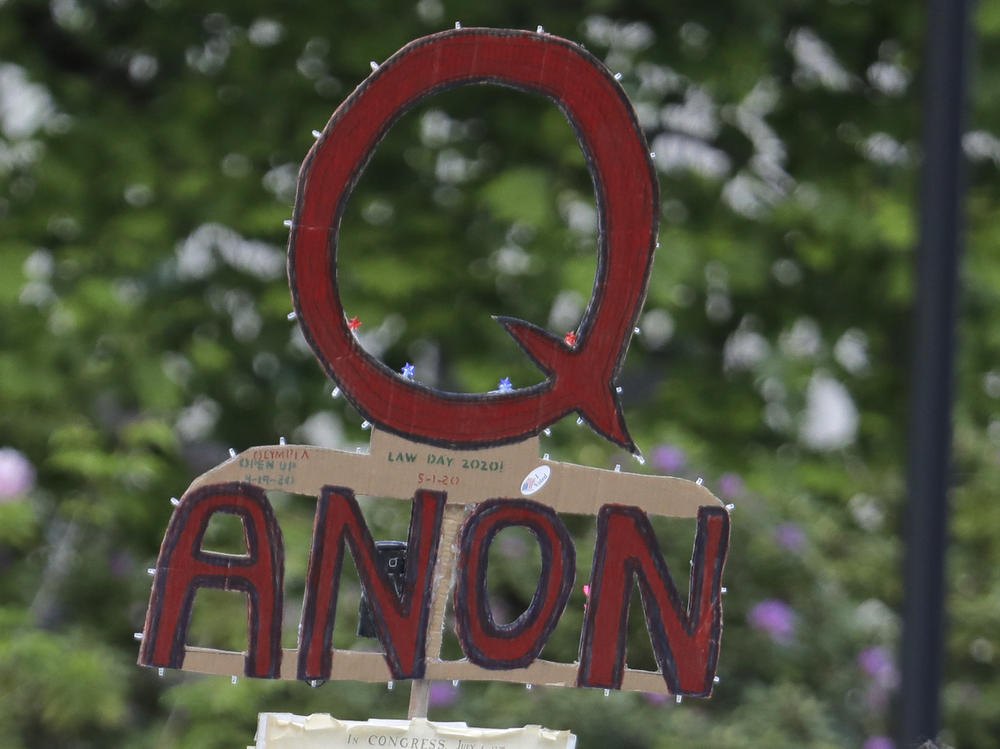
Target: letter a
{"x":401,"y":623}
{"x":183,"y":567}
{"x":685,"y":642}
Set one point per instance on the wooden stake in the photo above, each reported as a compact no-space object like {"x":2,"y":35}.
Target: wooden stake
{"x":420,"y":693}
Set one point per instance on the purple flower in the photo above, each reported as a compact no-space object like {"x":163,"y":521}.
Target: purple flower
{"x":775,"y":618}
{"x":17,"y":475}
{"x":654,"y":698}
{"x":442,"y":694}
{"x":877,"y":663}
{"x":730,"y":485}
{"x":669,"y":459}
{"x":790,"y":537}
{"x":879,"y":742}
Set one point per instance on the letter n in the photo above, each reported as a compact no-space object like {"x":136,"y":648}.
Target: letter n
{"x":401,"y":622}
{"x":685,"y":641}
{"x":183,"y":567}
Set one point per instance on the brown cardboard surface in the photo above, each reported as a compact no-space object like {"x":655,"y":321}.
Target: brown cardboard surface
{"x":395,"y":467}
{"x":370,"y":667}
{"x":444,"y":578}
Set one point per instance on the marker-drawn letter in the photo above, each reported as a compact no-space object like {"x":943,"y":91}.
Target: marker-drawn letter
{"x":685,"y":640}
{"x":400,"y":621}
{"x":183,"y":567}
{"x":518,"y":643}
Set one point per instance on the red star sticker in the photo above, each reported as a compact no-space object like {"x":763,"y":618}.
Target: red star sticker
{"x":570,"y":338}
{"x":354,"y":323}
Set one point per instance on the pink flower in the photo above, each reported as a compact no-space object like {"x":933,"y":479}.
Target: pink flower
{"x":775,"y":618}
{"x":17,"y":475}
{"x":730,"y":485}
{"x":442,"y":694}
{"x":669,"y":459}
{"x":790,"y":537}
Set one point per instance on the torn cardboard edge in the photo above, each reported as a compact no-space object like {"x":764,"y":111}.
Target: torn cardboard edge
{"x":321,"y":731}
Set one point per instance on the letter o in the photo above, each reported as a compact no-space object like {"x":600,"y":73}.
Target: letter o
{"x":518,"y":643}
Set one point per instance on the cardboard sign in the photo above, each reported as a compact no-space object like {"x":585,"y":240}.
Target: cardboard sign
{"x":468,"y":464}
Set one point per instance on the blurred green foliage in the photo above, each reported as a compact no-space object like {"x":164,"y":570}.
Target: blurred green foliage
{"x":148,"y":155}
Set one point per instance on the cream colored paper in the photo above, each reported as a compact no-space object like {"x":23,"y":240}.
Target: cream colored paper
{"x":286,"y":731}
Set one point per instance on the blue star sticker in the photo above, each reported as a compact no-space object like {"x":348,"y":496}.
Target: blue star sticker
{"x":407,"y":371}
{"x":505,"y":386}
